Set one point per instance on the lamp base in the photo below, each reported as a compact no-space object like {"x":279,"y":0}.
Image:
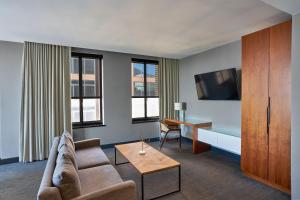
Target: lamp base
{"x":142,"y":152}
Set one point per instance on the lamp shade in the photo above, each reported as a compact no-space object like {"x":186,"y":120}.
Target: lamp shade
{"x":180,"y":106}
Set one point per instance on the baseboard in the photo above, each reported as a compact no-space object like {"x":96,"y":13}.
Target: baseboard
{"x":187,"y":140}
{"x":107,"y":146}
{"x":233,"y":156}
{"x":9,"y":160}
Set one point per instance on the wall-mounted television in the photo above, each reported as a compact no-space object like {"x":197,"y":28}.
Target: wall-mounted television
{"x":219,"y":85}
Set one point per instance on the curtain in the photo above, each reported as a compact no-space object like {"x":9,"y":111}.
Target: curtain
{"x":168,"y":87}
{"x":45,"y":104}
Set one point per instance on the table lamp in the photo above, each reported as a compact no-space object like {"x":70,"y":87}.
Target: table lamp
{"x":180,"y":106}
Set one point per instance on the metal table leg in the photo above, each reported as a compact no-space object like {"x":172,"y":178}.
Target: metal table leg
{"x":178,"y":190}
{"x":179,"y":178}
{"x":142,"y":183}
{"x":116,"y":159}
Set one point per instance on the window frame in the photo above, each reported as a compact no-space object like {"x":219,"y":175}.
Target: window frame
{"x":81,"y":97}
{"x":145,"y":96}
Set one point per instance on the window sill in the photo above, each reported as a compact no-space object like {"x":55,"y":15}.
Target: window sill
{"x":87,"y":126}
{"x":139,"y":121}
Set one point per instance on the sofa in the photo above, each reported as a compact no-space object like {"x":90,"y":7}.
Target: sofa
{"x":81,"y":171}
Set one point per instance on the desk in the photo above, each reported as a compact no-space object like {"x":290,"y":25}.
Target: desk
{"x":198,"y":146}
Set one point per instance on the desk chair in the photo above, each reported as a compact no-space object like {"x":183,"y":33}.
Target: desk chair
{"x":169,"y":130}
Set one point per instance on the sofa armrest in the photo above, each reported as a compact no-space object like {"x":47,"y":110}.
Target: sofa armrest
{"x":87,"y":143}
{"x":125,"y":190}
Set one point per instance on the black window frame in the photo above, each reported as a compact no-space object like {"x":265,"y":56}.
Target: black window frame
{"x":86,"y":124}
{"x":145,"y":96}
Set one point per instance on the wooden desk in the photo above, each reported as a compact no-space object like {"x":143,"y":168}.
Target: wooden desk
{"x":198,"y":146}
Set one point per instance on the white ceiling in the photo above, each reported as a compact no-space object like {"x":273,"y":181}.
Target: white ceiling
{"x":289,"y":6}
{"x":168,"y":28}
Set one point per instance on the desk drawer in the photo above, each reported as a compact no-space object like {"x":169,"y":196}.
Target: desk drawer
{"x":229,"y":143}
{"x":208,"y":137}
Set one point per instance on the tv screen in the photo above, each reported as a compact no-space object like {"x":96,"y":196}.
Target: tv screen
{"x":219,"y":85}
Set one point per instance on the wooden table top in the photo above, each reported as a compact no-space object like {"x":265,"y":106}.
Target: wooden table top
{"x":194,"y":123}
{"x":152,"y":161}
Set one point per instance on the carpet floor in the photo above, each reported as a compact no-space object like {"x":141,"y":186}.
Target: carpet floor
{"x":205,"y":176}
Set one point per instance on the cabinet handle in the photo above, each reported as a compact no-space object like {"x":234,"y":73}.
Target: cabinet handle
{"x":268,"y":119}
{"x":268,"y":114}
{"x":269,"y":111}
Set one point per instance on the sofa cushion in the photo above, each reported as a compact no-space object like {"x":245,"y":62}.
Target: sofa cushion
{"x":90,"y":157}
{"x":66,"y":138}
{"x":70,"y":137}
{"x":97,"y":178}
{"x":65,"y":177}
{"x":67,"y":152}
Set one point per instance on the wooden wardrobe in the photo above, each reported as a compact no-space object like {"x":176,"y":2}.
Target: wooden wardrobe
{"x":266,"y":106}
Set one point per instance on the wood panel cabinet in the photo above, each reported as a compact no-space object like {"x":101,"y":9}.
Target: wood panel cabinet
{"x":280,"y":105}
{"x":255,"y":67}
{"x":266,"y":100}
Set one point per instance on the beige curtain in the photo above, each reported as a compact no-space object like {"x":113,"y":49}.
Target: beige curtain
{"x":45,"y":105}
{"x":168,"y":87}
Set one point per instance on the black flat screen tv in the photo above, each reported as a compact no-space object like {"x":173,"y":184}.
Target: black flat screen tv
{"x":219,"y":85}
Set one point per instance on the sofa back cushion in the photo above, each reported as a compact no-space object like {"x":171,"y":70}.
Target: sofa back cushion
{"x":67,"y":152}
{"x":66,"y":138}
{"x":66,"y":148}
{"x":65,"y":177}
{"x":70,"y":137}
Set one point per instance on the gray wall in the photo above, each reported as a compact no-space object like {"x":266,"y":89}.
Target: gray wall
{"x":10,"y":97}
{"x":117,"y":102}
{"x":296,"y":108}
{"x":223,"y":114}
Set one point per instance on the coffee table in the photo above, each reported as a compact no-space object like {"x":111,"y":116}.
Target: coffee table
{"x":152,"y":161}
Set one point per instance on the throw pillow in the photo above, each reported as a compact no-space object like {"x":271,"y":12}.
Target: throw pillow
{"x":66,"y":152}
{"x":70,"y":137}
{"x":65,"y":177}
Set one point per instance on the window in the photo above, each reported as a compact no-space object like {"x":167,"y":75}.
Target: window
{"x":86,"y":90}
{"x":145,"y":101}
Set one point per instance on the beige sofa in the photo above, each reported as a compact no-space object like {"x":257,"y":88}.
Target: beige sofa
{"x":96,"y":177}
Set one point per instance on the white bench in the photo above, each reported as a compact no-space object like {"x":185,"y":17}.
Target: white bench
{"x":223,"y":139}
